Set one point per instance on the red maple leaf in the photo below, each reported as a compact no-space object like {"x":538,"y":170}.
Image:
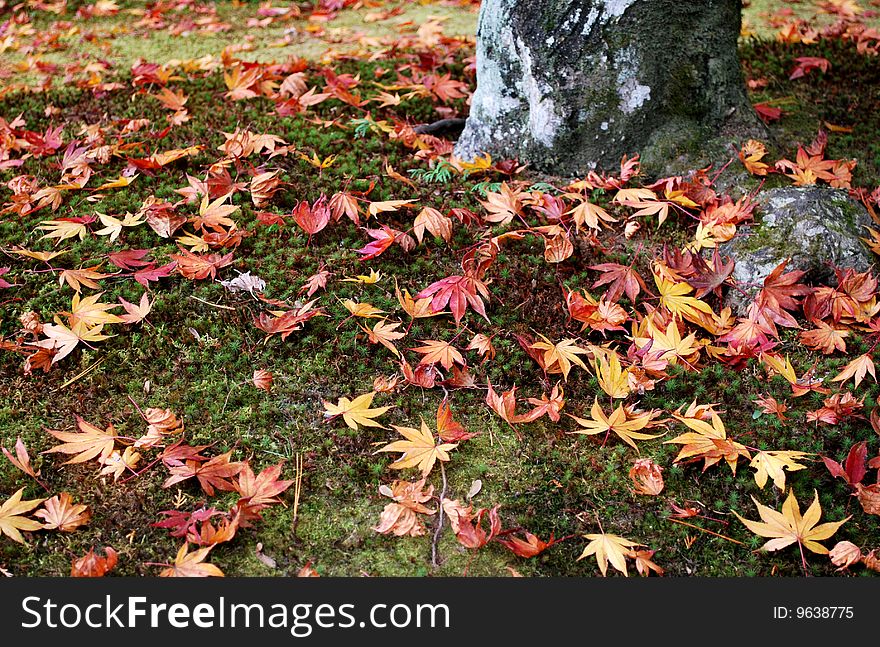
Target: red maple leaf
{"x":459,"y":291}
{"x":382,"y":240}
{"x":129,"y":259}
{"x":183,"y":523}
{"x":779,"y":292}
{"x":530,"y":546}
{"x":152,"y":273}
{"x":623,"y":279}
{"x":314,"y":218}
{"x":854,"y":468}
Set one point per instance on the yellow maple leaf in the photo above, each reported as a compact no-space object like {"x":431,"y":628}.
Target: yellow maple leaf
{"x":419,"y":449}
{"x":772,"y":465}
{"x":480,"y":163}
{"x":608,"y":548}
{"x":191,"y":564}
{"x":39,"y":256}
{"x":788,"y":527}
{"x":90,"y":312}
{"x":415,"y":308}
{"x":364,"y":279}
{"x":783,"y":368}
{"x":612,"y":378}
{"x":674,"y":297}
{"x":195,"y":244}
{"x":626,"y":426}
{"x":113,"y":226}
{"x":362,"y":309}
{"x":355,"y":412}
{"x":564,"y":353}
{"x":318,"y":163}
{"x":441,"y":352}
{"x":376,"y":208}
{"x":709,"y":442}
{"x":63,"y":229}
{"x":12,"y":518}
{"x":121,"y":182}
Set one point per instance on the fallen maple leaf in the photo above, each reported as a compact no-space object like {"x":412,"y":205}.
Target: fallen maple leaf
{"x":673,"y":296}
{"x":503,"y":205}
{"x":376,"y":208}
{"x":448,"y":429}
{"x":62,"y":514}
{"x":285,"y":322}
{"x":788,"y":527}
{"x":459,"y":292}
{"x":504,"y":405}
{"x":857,"y":369}
{"x":317,"y":281}
{"x":262,"y":379}
{"x":401,"y":518}
{"x":136,"y":313}
{"x":612,"y":378}
{"x":211,"y":474}
{"x":647,"y":477}
{"x":845,"y":554}
{"x":854,"y":468}
{"x":87,"y":443}
{"x":117,"y":463}
{"x":483,"y":345}
{"x":191,"y":564}
{"x":709,"y":442}
{"x":12,"y":518}
{"x":550,"y":406}
{"x":365,"y":310}
{"x":468,"y":525}
{"x":529,"y":547}
{"x":751,"y":154}
{"x":355,"y":412}
{"x":869,"y":498}
{"x":564,"y":354}
{"x":200,"y":266}
{"x":312,"y":219}
{"x":385,"y":332}
{"x":21,"y":459}
{"x":441,"y":352}
{"x":608,"y":548}
{"x":625,"y":425}
{"x":258,"y":492}
{"x":89,"y":312}
{"x":415,"y":308}
{"x":434,"y":222}
{"x":84,"y":276}
{"x":93,"y":565}
{"x":806,"y":64}
{"x":419,"y":449}
{"x":771,"y":464}
{"x":825,"y":338}
{"x":623,"y":279}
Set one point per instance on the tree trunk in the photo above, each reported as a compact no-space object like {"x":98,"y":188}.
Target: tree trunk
{"x":572,"y":85}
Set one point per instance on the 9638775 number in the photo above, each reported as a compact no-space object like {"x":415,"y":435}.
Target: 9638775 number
{"x":824,"y":613}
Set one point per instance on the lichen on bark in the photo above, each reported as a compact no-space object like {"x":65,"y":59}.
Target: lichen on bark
{"x":571,"y":85}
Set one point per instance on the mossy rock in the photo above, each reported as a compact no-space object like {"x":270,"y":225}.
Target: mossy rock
{"x":817,"y":228}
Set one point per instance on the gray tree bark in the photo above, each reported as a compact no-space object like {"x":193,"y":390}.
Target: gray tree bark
{"x":572,"y":85}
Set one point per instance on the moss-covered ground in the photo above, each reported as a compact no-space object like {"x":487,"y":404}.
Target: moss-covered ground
{"x":197,"y":351}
